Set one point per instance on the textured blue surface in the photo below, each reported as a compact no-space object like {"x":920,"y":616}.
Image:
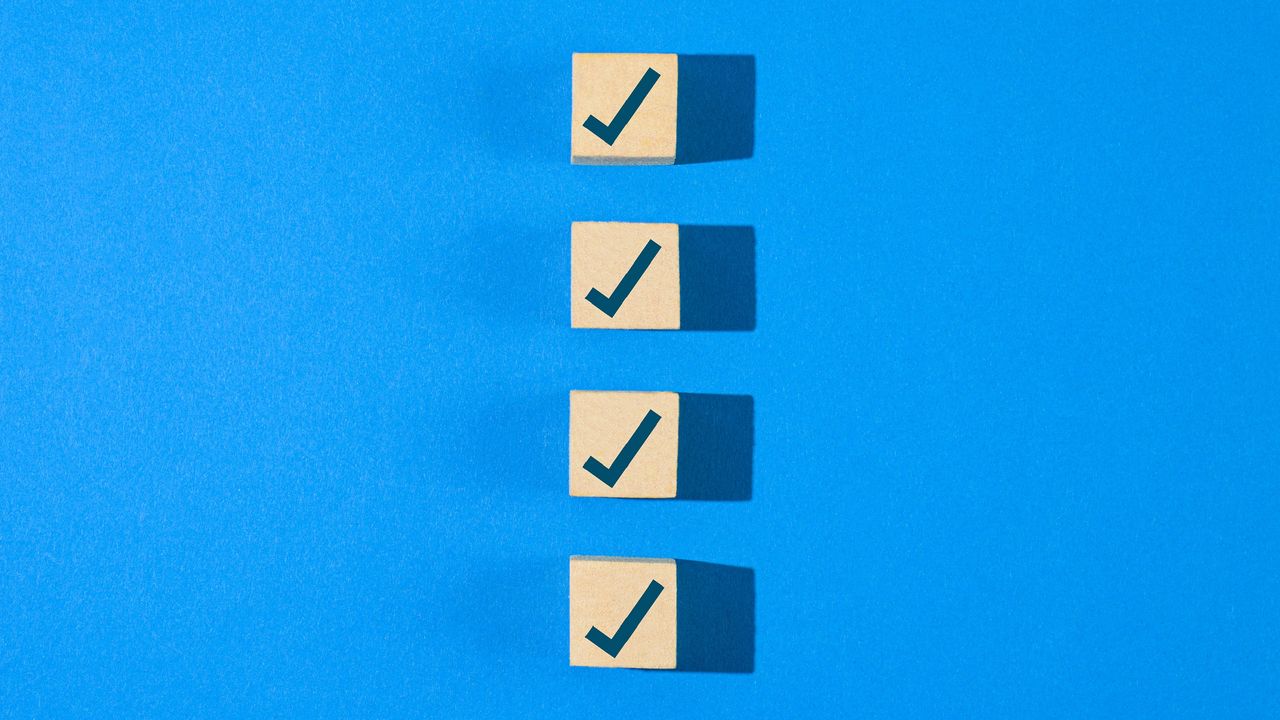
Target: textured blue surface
{"x":285,"y":356}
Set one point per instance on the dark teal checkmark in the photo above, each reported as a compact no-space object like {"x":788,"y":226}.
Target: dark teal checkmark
{"x":609,"y":304}
{"x":609,"y":475}
{"x":613,"y":645}
{"x":610,"y":132}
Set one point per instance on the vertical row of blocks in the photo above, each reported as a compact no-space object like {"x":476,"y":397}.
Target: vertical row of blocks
{"x":622,"y":611}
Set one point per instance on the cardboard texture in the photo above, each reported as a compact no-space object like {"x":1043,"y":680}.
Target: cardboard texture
{"x":615,"y":269}
{"x":616,"y":435}
{"x":605,"y":86}
{"x":603,"y":594}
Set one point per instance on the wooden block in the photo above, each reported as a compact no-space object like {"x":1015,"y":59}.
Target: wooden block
{"x":622,"y":612}
{"x":623,"y":444}
{"x":624,"y":109}
{"x":625,"y":275}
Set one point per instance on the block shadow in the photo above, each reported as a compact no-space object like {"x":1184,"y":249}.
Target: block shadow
{"x":715,"y":617}
{"x":714,"y":450}
{"x":717,"y":277}
{"x":715,"y":108}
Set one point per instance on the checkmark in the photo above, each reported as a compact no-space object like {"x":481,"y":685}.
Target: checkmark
{"x":613,"y":645}
{"x":610,"y":132}
{"x":609,"y":304}
{"x":609,"y":475}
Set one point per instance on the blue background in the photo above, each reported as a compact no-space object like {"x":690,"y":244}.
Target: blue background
{"x":285,"y":363}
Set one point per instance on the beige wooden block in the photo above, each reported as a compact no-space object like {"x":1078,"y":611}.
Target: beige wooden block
{"x":623,"y":444}
{"x":631,"y":126}
{"x":625,"y":276}
{"x":622,"y":612}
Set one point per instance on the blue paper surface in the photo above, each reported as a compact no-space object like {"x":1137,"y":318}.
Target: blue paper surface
{"x":285,"y":359}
